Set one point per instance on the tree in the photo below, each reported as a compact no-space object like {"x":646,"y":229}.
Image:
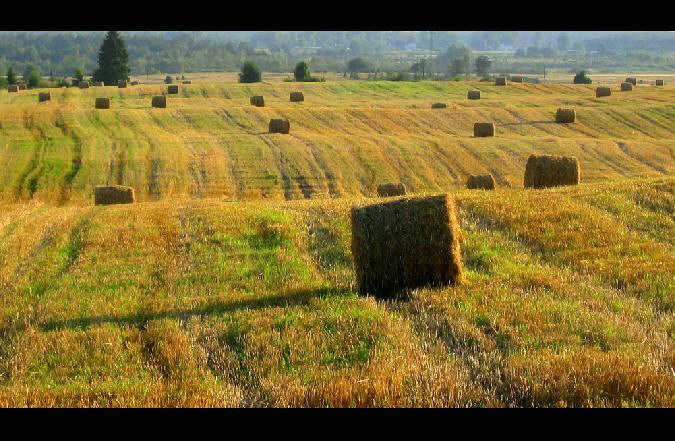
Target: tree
{"x":563,"y":42}
{"x":250,"y":73}
{"x":581,"y":78}
{"x":357,"y":65}
{"x":32,"y":76}
{"x":483,"y":64}
{"x":302,"y":72}
{"x":79,"y":74}
{"x":113,"y":60}
{"x":11,"y":76}
{"x":459,"y":66}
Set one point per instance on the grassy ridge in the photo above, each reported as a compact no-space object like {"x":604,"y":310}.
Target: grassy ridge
{"x":346,"y":138}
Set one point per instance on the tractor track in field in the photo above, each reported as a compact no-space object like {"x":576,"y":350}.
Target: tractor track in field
{"x":329,"y":177}
{"x":31,"y":174}
{"x":76,"y":157}
{"x":624,"y":148}
{"x":283,"y":165}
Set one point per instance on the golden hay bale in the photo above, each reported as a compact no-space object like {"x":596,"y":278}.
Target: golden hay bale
{"x":517,"y":79}
{"x":134,"y":83}
{"x":187,"y":81}
{"x":406,"y":243}
{"x":390,"y":189}
{"x":626,"y":87}
{"x":633,"y":81}
{"x":44,"y":96}
{"x":603,"y":91}
{"x":84,"y":84}
{"x":159,"y":101}
{"x":172,"y":89}
{"x":473,"y":94}
{"x":659,"y":82}
{"x":297,"y":97}
{"x":258,"y":101}
{"x":99,"y":84}
{"x":102,"y":103}
{"x":551,"y":171}
{"x":439,"y":106}
{"x":12,"y":88}
{"x":500,"y":81}
{"x":280,"y":126}
{"x":113,"y":194}
{"x":483,"y":182}
{"x":565,"y":116}
{"x":121,"y":84}
{"x":483,"y":129}
{"x":22,"y":87}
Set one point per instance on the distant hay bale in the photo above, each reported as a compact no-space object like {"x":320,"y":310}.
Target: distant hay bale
{"x":280,"y":126}
{"x":551,"y":171}
{"x":102,"y":103}
{"x":603,"y":91}
{"x":439,"y":106}
{"x":84,"y":84}
{"x":473,"y":94}
{"x":172,"y":89}
{"x":659,"y":82}
{"x":297,"y":97}
{"x":187,"y":82}
{"x":44,"y":96}
{"x":565,"y":116}
{"x":121,"y":84}
{"x":159,"y":101}
{"x":390,"y":190}
{"x":483,"y":182}
{"x":483,"y":129}
{"x":517,"y":79}
{"x":99,"y":84}
{"x":134,"y":83}
{"x":113,"y":194}
{"x":633,"y":81}
{"x":22,"y":87}
{"x":500,"y":81}
{"x":258,"y":101}
{"x":12,"y":88}
{"x":406,"y":244}
{"x":626,"y":87}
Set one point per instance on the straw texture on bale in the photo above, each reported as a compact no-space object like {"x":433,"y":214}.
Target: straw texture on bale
{"x":565,"y":116}
{"x":187,"y":82}
{"x":44,"y":96}
{"x":483,"y":129}
{"x":517,"y":79}
{"x":390,"y":189}
{"x":439,"y":106}
{"x":473,"y":94}
{"x":258,"y":101}
{"x":22,"y":87}
{"x":172,"y":89}
{"x":483,"y":182}
{"x":122,"y":83}
{"x":280,"y":126}
{"x":159,"y":101}
{"x":84,"y":84}
{"x":99,"y":84}
{"x":626,"y":87}
{"x":406,"y":243}
{"x":633,"y":81}
{"x":551,"y":171}
{"x":113,"y":194}
{"x":102,"y":103}
{"x":500,"y":81}
{"x":12,"y":88}
{"x":297,"y":97}
{"x":659,"y":82}
{"x":603,"y":91}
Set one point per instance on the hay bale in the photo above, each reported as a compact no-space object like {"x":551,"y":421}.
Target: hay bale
{"x":406,"y":244}
{"x":483,"y":182}
{"x":565,"y":116}
{"x":483,"y":129}
{"x":633,"y":81}
{"x":22,"y":87}
{"x":159,"y":101}
{"x":12,"y":88}
{"x":134,"y":83}
{"x":473,"y":94}
{"x":258,"y":101}
{"x":121,"y":84}
{"x":44,"y":96}
{"x":280,"y":126}
{"x":99,"y":84}
{"x":439,"y":106}
{"x":603,"y":91}
{"x":551,"y":171}
{"x":113,"y":194}
{"x":187,"y":82}
{"x":626,"y":87}
{"x":172,"y":89}
{"x":84,"y":84}
{"x":659,"y":82}
{"x":102,"y":103}
{"x":297,"y":97}
{"x":517,"y":79}
{"x":390,"y":190}
{"x":500,"y":81}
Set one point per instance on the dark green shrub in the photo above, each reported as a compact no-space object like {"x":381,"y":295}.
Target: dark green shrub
{"x":250,"y":73}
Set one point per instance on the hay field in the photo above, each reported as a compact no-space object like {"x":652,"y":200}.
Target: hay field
{"x":232,"y":282}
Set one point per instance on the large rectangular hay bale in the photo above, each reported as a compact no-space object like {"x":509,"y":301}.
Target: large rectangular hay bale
{"x":473,"y":94}
{"x":22,"y":87}
{"x":500,"y":81}
{"x":439,"y":106}
{"x":102,"y":103}
{"x":121,"y":84}
{"x":603,"y":91}
{"x":390,"y":190}
{"x":659,"y":82}
{"x":187,"y":81}
{"x":565,"y":116}
{"x":84,"y":84}
{"x":482,"y":182}
{"x":113,"y":194}
{"x":626,"y":87}
{"x":297,"y":97}
{"x":134,"y":83}
{"x":544,"y":171}
{"x":172,"y":89}
{"x":12,"y":88}
{"x":483,"y":129}
{"x":631,"y":80}
{"x":258,"y":101}
{"x":99,"y":84}
{"x":517,"y":79}
{"x":44,"y":96}
{"x":280,"y":126}
{"x":159,"y":101}
{"x":406,"y":244}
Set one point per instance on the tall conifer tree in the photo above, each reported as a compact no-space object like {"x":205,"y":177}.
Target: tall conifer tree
{"x":113,"y":60}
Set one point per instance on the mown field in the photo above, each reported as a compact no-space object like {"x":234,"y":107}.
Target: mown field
{"x":231,"y":283}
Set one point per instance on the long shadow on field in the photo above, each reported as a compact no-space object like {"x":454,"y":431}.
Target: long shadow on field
{"x":291,"y":298}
